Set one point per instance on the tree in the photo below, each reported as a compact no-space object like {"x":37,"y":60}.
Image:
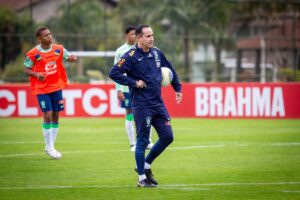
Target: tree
{"x":10,"y":42}
{"x":188,"y":18}
{"x":82,"y":25}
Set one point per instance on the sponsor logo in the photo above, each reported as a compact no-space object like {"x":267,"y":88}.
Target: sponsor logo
{"x":239,"y":102}
{"x":50,"y":68}
{"x":139,"y":59}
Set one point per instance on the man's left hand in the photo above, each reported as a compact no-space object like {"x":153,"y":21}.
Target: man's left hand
{"x":178,"y":97}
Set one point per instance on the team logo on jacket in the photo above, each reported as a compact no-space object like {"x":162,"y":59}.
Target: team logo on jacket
{"x":168,"y":123}
{"x":158,"y":64}
{"x":50,"y":68}
{"x":148,"y":121}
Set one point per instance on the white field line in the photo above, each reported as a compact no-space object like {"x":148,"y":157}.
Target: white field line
{"x":235,"y":144}
{"x":233,"y":184}
{"x":123,"y":142}
{"x":170,"y":187}
{"x":105,"y":151}
{"x":291,"y":191}
{"x":71,"y":142}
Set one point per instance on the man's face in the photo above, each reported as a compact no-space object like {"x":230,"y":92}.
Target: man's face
{"x":131,"y":37}
{"x":46,"y":37}
{"x":146,"y":40}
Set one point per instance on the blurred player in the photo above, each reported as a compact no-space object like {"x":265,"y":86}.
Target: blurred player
{"x":44,"y":65}
{"x":123,"y":91}
{"x":142,"y":64}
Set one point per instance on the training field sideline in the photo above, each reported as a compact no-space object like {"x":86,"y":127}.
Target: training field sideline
{"x":209,"y":159}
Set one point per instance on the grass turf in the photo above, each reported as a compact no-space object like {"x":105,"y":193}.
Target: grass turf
{"x":209,"y":159}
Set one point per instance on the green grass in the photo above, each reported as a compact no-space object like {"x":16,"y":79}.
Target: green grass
{"x":209,"y":159}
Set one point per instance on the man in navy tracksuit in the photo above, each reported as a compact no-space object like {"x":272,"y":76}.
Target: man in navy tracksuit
{"x":140,"y":69}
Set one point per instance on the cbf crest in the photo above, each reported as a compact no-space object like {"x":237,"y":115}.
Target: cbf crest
{"x":148,"y":121}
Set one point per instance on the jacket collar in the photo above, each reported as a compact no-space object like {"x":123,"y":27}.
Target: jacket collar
{"x":140,"y":50}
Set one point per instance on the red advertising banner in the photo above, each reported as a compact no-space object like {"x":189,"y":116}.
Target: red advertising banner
{"x":217,"y":100}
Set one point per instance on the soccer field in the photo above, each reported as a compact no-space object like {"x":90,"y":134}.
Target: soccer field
{"x":209,"y":159}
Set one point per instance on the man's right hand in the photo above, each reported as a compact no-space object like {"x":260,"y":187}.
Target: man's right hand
{"x":40,"y":76}
{"x":121,"y":96}
{"x":140,"y":84}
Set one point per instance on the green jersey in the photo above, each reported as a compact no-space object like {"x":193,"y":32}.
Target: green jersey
{"x":119,"y":53}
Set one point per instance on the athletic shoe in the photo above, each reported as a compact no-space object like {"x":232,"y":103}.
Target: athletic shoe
{"x":150,"y":176}
{"x":132,"y":148}
{"x":53,"y":153}
{"x":145,"y":183}
{"x":150,"y":145}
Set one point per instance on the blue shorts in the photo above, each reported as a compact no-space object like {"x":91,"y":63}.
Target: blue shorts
{"x":51,"y":101}
{"x":127,"y":101}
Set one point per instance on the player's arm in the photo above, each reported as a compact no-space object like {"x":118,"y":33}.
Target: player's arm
{"x":68,"y":56}
{"x":28,"y":70}
{"x":120,"y":68}
{"x":175,"y":82}
{"x":120,"y":94}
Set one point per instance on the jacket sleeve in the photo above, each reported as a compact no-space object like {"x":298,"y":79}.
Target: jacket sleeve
{"x":175,"y":82}
{"x":117,"y":73}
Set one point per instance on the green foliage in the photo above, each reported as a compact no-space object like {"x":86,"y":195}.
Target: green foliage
{"x":10,"y":41}
{"x":14,"y":71}
{"x":287,"y":75}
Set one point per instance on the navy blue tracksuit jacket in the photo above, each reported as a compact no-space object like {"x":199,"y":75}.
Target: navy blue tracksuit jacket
{"x":139,"y":65}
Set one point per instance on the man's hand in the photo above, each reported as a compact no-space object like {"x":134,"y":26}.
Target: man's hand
{"x":40,"y":76}
{"x":121,"y":96}
{"x":178,"y":97}
{"x":72,"y":58}
{"x":140,"y":84}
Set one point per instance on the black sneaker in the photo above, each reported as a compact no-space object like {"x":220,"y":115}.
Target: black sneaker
{"x":145,"y":183}
{"x":150,"y":176}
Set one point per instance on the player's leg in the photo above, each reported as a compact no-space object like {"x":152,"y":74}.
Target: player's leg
{"x":142,"y":118}
{"x":150,"y":145}
{"x":162,"y":124}
{"x":46,"y":129}
{"x":129,"y":122}
{"x":129,"y":126}
{"x":46,"y":107}
{"x":57,"y":105}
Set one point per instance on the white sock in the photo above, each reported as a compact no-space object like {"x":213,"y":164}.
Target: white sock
{"x":147,"y":166}
{"x":47,"y":138}
{"x":54,"y":132}
{"x":130,"y":131}
{"x":142,"y":177}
